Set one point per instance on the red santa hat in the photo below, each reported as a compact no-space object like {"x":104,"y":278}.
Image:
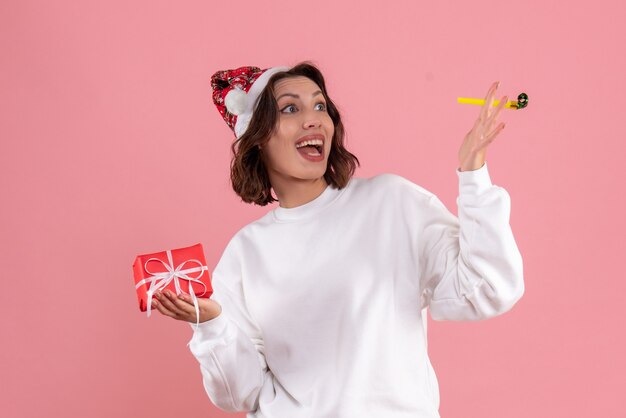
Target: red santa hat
{"x":236,"y":91}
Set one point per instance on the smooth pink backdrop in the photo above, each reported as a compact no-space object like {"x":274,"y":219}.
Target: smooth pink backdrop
{"x":111,"y":147}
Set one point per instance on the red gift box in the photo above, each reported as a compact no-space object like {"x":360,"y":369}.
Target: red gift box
{"x":182,"y":270}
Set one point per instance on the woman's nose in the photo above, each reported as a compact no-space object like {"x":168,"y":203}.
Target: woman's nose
{"x":312,"y":121}
{"x":312,"y":118}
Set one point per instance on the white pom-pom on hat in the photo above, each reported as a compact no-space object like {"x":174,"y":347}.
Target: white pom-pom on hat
{"x":236,"y":101}
{"x":236,"y":90}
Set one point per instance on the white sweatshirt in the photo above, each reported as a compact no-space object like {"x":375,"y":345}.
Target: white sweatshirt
{"x":322,"y":303}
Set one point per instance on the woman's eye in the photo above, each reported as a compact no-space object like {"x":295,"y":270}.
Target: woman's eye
{"x":291,"y":105}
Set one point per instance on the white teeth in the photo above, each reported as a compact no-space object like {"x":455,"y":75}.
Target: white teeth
{"x":310,"y":142}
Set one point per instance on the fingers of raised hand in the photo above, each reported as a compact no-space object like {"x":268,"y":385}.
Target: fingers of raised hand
{"x":486,"y":110}
{"x":494,"y":133}
{"x":499,"y":108}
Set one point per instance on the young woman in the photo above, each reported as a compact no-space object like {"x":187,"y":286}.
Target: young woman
{"x":317,"y":305}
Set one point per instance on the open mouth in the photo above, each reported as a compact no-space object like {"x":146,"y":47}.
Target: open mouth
{"x":311,"y":148}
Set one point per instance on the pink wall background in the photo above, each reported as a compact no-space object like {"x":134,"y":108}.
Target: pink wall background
{"x":111,"y":147}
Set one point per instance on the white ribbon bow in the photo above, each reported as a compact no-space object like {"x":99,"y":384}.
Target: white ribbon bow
{"x":160,"y":280}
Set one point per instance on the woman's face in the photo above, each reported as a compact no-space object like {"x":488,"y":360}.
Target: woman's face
{"x":302,"y":112}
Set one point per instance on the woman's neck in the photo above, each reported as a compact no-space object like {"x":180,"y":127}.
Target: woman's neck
{"x":299,"y":192}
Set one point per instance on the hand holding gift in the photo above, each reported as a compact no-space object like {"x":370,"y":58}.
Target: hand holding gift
{"x":181,"y":307}
{"x":175,"y":271}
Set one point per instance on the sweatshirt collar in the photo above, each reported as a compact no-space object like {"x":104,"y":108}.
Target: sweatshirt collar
{"x":309,"y":209}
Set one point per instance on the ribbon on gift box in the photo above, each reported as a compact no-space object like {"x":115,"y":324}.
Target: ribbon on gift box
{"x":160,"y":280}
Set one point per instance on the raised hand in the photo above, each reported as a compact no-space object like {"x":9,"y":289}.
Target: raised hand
{"x":474,"y":148}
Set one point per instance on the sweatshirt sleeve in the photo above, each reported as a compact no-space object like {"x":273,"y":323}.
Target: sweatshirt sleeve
{"x":470,"y":266}
{"x":230,"y":347}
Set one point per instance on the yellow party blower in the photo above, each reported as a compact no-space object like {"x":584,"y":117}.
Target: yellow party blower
{"x":522,"y":102}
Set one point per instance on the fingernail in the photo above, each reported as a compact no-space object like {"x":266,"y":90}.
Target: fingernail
{"x":154,"y":303}
{"x":157,"y":295}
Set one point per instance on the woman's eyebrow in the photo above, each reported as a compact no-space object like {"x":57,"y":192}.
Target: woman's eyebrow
{"x":296,"y":96}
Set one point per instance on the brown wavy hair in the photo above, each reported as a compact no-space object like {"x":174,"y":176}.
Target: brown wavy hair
{"x":248,"y":174}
